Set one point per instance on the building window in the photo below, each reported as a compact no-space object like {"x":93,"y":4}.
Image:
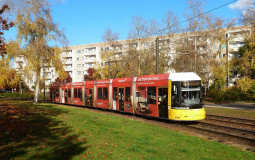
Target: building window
{"x":78,"y":51}
{"x":79,"y":72}
{"x":78,"y":65}
{"x":78,"y":58}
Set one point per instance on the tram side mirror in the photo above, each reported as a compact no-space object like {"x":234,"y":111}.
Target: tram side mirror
{"x":175,"y":89}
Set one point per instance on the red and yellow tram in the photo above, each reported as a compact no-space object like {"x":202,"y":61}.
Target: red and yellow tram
{"x":175,"y":96}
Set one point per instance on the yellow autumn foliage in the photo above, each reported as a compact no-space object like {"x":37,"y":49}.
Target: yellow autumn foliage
{"x":244,"y":84}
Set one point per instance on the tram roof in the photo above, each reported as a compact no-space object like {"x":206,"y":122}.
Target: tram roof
{"x":184,"y":76}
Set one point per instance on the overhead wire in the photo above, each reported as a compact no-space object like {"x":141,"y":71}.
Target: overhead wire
{"x":162,"y":30}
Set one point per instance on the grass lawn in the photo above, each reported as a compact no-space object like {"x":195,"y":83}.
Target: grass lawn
{"x":49,"y":131}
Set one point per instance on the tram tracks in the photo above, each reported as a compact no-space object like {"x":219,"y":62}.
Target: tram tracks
{"x":228,"y":129}
{"x":241,"y":121}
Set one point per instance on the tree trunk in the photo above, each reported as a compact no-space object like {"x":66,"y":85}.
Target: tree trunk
{"x":37,"y":81}
{"x":20,"y":88}
{"x":205,"y":89}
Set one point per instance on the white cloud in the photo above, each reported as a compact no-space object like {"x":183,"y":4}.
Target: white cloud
{"x":241,"y":4}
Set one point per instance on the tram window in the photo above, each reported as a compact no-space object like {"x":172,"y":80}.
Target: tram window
{"x":79,"y":93}
{"x":57,"y":93}
{"x":75,"y":93}
{"x":99,"y":93}
{"x":141,"y":94}
{"x":91,"y":92}
{"x":115,"y":93}
{"x":175,"y":93}
{"x":53,"y":93}
{"x":105,"y":93}
{"x":69,"y":93}
{"x":50,"y":95}
{"x":127,"y":94}
{"x":151,"y":95}
{"x":86,"y":96}
{"x":65,"y":92}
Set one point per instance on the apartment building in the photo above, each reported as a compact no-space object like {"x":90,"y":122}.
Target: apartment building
{"x":78,"y":59}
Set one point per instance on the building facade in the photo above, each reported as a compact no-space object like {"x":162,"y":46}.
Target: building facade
{"x":78,"y":59}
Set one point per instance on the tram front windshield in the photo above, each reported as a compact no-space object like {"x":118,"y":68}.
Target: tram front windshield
{"x":186,"y":95}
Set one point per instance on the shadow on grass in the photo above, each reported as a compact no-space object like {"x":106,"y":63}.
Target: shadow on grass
{"x":33,"y":132}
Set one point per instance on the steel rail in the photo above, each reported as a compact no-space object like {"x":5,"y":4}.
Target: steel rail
{"x":233,"y":118}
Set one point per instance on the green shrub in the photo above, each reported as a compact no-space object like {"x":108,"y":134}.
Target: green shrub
{"x":252,"y":89}
{"x":231,"y":94}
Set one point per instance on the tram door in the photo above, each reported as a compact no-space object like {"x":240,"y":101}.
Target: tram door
{"x":114,"y":98}
{"x":121,"y":99}
{"x":163,"y":102}
{"x":51,"y":96}
{"x":66,"y":101}
{"x":88,"y":96}
{"x":63,"y":96}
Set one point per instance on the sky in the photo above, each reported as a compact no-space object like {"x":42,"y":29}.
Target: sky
{"x":85,"y":21}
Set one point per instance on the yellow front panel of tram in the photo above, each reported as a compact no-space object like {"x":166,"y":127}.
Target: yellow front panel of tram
{"x":183,"y":114}
{"x":186,"y":114}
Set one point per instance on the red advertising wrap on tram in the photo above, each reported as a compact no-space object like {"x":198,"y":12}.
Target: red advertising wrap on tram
{"x":102,"y":89}
{"x":77,"y":93}
{"x":147,"y":89}
{"x":121,"y":96}
{"x":174,"y":96}
{"x":66,"y":93}
{"x":89,"y":93}
{"x":54,"y":93}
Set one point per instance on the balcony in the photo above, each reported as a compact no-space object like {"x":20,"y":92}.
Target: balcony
{"x":90,"y":50}
{"x":68,"y":68}
{"x":68,"y":61}
{"x":66,"y":54}
{"x":89,"y":60}
{"x":90,"y":54}
{"x":88,"y":65}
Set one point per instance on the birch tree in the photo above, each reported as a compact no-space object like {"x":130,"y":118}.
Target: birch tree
{"x":35,"y":30}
